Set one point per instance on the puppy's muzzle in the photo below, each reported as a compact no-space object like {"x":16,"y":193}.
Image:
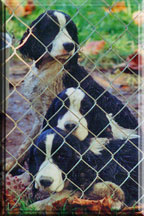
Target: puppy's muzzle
{"x":46,"y":182}
{"x":68,"y":46}
{"x":70,"y":125}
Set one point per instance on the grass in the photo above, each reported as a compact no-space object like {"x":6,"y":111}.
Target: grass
{"x":93,"y":22}
{"x":23,"y":209}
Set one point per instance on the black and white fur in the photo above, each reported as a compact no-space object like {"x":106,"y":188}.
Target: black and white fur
{"x":74,"y":111}
{"x":53,"y":47}
{"x":61,"y":162}
{"x":52,"y":43}
{"x":58,"y":168}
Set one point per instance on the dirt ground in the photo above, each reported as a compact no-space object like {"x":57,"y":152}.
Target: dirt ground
{"x":19,"y":120}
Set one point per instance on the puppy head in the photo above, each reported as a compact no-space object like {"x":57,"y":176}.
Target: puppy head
{"x":51,"y":164}
{"x":75,"y":112}
{"x":52,"y":34}
{"x":61,"y":161}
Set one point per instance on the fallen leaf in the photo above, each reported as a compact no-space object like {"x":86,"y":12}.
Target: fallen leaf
{"x":136,"y":61}
{"x":138,"y":17}
{"x":29,"y":6}
{"x":8,"y":200}
{"x":14,"y":6}
{"x":83,"y":206}
{"x":103,"y":205}
{"x":60,"y":203}
{"x":137,"y":210}
{"x":93,"y":47}
{"x":118,"y":7}
{"x":49,"y":209}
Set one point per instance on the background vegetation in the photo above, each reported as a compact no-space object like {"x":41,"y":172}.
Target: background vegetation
{"x":94,"y":23}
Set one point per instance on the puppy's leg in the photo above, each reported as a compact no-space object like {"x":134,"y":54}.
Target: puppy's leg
{"x":103,"y":189}
{"x":97,"y":145}
{"x":41,"y":205}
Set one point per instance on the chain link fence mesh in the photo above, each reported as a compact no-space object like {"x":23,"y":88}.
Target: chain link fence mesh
{"x":19,"y":120}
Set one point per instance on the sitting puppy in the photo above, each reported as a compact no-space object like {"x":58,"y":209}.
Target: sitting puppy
{"x":51,"y":42}
{"x":53,"y":45}
{"x":61,"y":163}
{"x":74,"y":111}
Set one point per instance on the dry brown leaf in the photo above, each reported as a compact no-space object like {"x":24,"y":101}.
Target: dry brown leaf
{"x":93,"y":47}
{"x":136,"y":61}
{"x":103,"y":205}
{"x":138,"y":17}
{"x":118,"y":7}
{"x":81,"y":206}
{"x":139,"y":208}
{"x":49,"y":209}
{"x":9,"y":201}
{"x":29,"y":6}
{"x":82,"y":202}
{"x":14,"y":6}
{"x":60,"y":203}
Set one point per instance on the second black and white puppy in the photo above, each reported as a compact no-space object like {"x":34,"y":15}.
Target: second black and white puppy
{"x":61,"y":162}
{"x":74,"y":111}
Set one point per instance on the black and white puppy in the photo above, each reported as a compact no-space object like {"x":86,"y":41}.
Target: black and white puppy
{"x":51,"y":42}
{"x":63,"y":165}
{"x":74,"y":111}
{"x":60,"y":161}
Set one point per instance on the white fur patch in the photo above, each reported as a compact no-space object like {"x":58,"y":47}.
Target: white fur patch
{"x":120,"y":132}
{"x":61,"y":18}
{"x":73,"y":114}
{"x":49,"y":170}
{"x":97,"y":145}
{"x":48,"y":143}
{"x":61,"y":38}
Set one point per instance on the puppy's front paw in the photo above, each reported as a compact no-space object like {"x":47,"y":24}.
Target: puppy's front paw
{"x":103,"y":189}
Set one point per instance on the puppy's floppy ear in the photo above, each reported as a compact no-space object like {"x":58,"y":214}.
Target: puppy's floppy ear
{"x":51,"y":111}
{"x":99,"y":122}
{"x":32,"y":169}
{"x":30,"y":45}
{"x":32,"y":162}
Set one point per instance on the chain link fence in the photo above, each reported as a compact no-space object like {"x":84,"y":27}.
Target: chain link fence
{"x":103,"y":21}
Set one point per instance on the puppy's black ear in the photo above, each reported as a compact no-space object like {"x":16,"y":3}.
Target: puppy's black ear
{"x":51,"y":116}
{"x":32,"y":169}
{"x":100,"y":123}
{"x":30,"y":45}
{"x":32,"y":162}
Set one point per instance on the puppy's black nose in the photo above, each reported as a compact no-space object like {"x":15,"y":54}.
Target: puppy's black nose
{"x":46,"y":182}
{"x":69,"y":126}
{"x":68,"y":46}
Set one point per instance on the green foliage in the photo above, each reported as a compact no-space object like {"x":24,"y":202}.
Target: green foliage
{"x":93,"y":22}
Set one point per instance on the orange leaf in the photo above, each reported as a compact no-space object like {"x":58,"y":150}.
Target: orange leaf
{"x":15,"y":7}
{"x":60,"y":203}
{"x":138,"y":17}
{"x":29,"y":6}
{"x":93,"y":47}
{"x":9,"y":200}
{"x":118,"y":7}
{"x":49,"y":210}
{"x":95,"y":205}
{"x":135,"y":61}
